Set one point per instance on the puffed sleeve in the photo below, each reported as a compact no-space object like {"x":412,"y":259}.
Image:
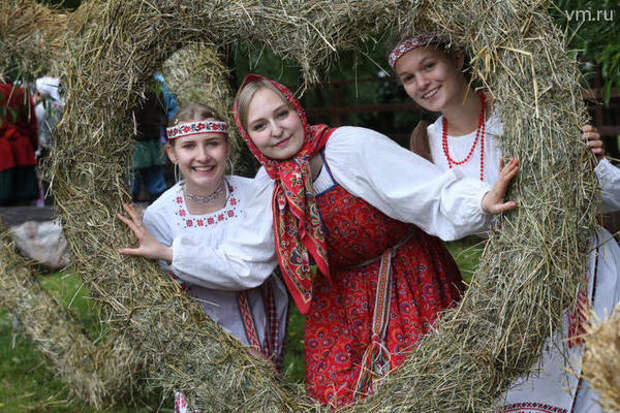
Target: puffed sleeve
{"x":157,"y":224}
{"x":609,"y":179}
{"x":241,"y":261}
{"x":405,"y":186}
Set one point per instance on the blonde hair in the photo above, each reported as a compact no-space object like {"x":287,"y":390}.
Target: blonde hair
{"x":247,"y":92}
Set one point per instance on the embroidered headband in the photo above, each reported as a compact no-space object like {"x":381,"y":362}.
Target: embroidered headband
{"x":409,"y":44}
{"x":193,"y":128}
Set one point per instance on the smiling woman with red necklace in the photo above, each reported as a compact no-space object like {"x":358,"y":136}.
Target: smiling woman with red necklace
{"x":201,"y":212}
{"x":464,"y":138}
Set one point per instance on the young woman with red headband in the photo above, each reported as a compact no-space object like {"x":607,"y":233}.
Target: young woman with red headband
{"x":463,"y":139}
{"x":359,"y":207}
{"x":201,"y":211}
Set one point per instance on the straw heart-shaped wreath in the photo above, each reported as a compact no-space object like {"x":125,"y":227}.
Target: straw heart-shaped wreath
{"x":155,"y":335}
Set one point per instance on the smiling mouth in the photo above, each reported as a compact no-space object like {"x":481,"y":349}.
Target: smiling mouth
{"x":430,"y":94}
{"x":282,"y":142}
{"x":204,"y":168}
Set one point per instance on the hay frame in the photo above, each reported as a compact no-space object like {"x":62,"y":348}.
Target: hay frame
{"x":522,"y":284}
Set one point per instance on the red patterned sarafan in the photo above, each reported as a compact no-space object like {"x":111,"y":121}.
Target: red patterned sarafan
{"x":424,"y":281}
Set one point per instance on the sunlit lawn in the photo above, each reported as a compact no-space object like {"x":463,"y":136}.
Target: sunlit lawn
{"x":26,"y":384}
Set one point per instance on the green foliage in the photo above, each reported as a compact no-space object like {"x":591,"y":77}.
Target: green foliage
{"x":294,"y":357}
{"x":593,"y":35}
{"x":466,"y":252}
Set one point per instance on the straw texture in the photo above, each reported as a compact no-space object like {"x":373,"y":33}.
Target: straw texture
{"x":529,"y":272}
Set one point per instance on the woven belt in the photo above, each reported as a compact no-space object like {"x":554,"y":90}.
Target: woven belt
{"x":376,"y":359}
{"x":248,"y":320}
{"x":271,"y":348}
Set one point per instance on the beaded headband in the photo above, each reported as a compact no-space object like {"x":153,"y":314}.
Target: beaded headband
{"x":193,"y":128}
{"x":410,"y":43}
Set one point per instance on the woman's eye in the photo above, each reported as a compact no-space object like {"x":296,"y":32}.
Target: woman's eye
{"x":407,"y":78}
{"x":429,"y":65}
{"x":187,"y":146}
{"x":258,"y":126}
{"x":283,"y":114}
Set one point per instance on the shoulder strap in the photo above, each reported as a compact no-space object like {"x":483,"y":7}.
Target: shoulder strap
{"x":418,"y":141}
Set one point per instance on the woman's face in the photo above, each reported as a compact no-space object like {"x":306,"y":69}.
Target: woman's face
{"x":201,"y":159}
{"x":273,"y":126}
{"x":431,"y":78}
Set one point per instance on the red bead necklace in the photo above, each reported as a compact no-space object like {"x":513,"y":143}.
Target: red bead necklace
{"x":479,"y":136}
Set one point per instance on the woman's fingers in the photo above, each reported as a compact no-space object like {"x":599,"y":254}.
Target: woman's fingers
{"x":493,"y":202}
{"x":128,"y":207}
{"x":128,"y":222}
{"x":132,"y":213}
{"x":506,"y":206}
{"x":593,"y":140}
{"x":509,"y":171}
{"x":130,"y":251}
{"x":148,"y":246}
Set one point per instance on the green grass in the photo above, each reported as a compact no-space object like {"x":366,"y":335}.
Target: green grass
{"x":28,"y":385}
{"x":294,"y":356}
{"x":26,"y":382}
{"x":466,"y":253}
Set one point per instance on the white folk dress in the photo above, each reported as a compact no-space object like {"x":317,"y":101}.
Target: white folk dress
{"x":552,"y":389}
{"x":168,"y":218}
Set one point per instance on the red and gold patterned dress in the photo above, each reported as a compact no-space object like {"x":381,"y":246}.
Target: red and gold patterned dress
{"x":425,"y":280}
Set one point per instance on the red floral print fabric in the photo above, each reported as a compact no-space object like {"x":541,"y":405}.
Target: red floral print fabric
{"x":425,"y":281}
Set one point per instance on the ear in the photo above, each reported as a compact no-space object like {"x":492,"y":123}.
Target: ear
{"x":228,"y":146}
{"x":459,"y":55}
{"x":170,"y":152}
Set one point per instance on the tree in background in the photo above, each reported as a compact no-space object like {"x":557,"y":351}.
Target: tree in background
{"x":593,"y":36}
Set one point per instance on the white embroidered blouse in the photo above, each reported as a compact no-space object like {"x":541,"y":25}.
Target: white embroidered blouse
{"x":168,"y":219}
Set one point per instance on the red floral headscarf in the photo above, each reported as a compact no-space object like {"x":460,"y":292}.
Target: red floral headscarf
{"x":296,"y":220}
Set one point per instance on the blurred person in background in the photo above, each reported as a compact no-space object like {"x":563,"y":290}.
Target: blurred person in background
{"x":48,"y":111}
{"x":148,"y":156}
{"x":18,"y":141}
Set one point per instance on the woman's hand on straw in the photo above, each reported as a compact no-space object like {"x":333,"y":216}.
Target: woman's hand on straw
{"x":493,"y":201}
{"x":148,"y":246}
{"x":591,"y":137}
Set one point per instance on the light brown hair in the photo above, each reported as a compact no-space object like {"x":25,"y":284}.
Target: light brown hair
{"x":247,"y":92}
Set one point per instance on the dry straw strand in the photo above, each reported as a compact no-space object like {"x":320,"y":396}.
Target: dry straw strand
{"x":601,"y":360}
